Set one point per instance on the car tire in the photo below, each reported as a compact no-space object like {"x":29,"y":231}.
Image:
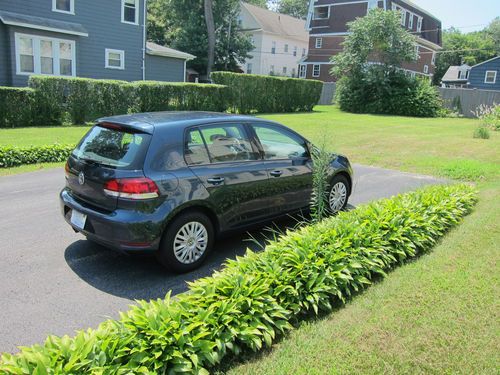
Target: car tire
{"x":338,"y":194}
{"x":186,"y":242}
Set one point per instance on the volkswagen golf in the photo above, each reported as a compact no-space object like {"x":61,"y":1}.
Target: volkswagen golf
{"x":171,"y":182}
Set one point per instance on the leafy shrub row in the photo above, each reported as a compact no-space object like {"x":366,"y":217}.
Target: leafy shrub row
{"x":259,"y":296}
{"x":87,"y":99}
{"x":14,"y":156}
{"x":253,"y":93}
{"x":374,"y":91}
{"x":15,"y":107}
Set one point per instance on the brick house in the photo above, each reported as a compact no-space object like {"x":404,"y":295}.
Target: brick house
{"x":327,"y":25}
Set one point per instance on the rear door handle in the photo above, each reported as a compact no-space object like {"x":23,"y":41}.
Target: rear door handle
{"x":215,"y":180}
{"x":276,"y":173}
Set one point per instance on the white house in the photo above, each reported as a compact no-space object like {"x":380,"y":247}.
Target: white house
{"x":280,"y":41}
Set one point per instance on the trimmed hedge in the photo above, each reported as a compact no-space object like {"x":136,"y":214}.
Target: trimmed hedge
{"x":84,"y":99}
{"x":154,"y":96}
{"x":14,"y":156}
{"x":16,"y":107}
{"x":251,"y":93}
{"x":256,"y":297}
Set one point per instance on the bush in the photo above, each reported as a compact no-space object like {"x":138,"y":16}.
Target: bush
{"x":162,"y":96}
{"x":84,"y":99}
{"x":14,"y":156}
{"x":489,"y":116}
{"x":256,"y":297}
{"x":481,"y":132}
{"x":16,"y":107}
{"x":253,"y":93}
{"x":375,"y":91}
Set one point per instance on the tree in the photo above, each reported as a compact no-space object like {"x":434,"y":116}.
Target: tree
{"x":370,"y":77}
{"x":294,"y":8}
{"x":209,"y":19}
{"x":182,"y":25}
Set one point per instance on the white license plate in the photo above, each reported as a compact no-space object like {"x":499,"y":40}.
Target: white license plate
{"x":78,"y":219}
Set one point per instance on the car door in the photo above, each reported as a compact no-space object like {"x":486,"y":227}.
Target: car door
{"x":230,"y":167}
{"x":289,"y":166}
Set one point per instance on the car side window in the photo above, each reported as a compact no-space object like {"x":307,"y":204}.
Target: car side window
{"x":279,"y":143}
{"x":195,"y":151}
{"x":227,"y":142}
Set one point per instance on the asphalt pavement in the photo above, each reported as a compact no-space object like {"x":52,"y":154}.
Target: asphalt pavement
{"x":53,"y":281}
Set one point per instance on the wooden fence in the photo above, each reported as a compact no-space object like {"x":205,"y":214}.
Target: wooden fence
{"x":327,"y":94}
{"x":467,"y":101}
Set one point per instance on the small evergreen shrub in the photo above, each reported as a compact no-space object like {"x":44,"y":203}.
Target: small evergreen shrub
{"x":16,"y":107}
{"x":250,"y":93}
{"x":14,"y":156}
{"x":258,"y":297}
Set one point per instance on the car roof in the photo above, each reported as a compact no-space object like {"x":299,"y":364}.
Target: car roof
{"x":149,"y":121}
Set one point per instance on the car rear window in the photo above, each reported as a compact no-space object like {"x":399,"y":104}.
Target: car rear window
{"x":113,"y":147}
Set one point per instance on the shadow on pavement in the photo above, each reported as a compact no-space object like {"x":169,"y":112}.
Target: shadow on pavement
{"x":142,"y":277}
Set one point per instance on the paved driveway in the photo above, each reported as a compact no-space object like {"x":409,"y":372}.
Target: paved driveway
{"x":53,"y":281}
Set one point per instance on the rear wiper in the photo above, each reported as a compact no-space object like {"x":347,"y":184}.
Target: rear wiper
{"x":91,"y":161}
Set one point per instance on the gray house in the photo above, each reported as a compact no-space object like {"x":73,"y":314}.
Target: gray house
{"x":82,"y":38}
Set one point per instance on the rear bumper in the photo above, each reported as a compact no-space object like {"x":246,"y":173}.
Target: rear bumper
{"x":123,"y":230}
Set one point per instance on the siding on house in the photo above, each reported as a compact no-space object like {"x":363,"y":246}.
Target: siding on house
{"x":477,"y":75}
{"x":5,"y":79}
{"x":333,"y":30}
{"x":164,"y":69}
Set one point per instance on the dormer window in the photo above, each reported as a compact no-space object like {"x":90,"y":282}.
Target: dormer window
{"x":321,"y":13}
{"x":130,"y":11}
{"x":63,"y":6}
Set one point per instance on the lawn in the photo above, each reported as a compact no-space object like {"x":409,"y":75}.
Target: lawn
{"x":438,"y":314}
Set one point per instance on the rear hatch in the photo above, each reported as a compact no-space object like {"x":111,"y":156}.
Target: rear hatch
{"x":106,"y":153}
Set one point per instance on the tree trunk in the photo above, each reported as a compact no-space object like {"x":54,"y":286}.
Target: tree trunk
{"x":209,"y":19}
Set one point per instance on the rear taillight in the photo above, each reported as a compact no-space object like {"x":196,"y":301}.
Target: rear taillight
{"x":66,"y":169}
{"x":131,"y":188}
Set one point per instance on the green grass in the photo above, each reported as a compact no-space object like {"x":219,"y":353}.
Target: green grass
{"x":41,"y":136}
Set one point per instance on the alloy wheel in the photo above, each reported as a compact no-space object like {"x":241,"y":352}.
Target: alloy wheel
{"x":190,"y":242}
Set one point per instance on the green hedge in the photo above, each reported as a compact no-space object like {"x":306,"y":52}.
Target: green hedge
{"x":14,"y":156}
{"x":253,"y":93}
{"x":83,"y":99}
{"x":16,"y":107}
{"x":154,"y":96}
{"x":256,"y":298}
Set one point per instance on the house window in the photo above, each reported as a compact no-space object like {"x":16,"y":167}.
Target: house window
{"x":284,"y":70}
{"x":63,"y":6}
{"x":316,"y":70}
{"x":295,"y":51}
{"x":410,"y":22}
{"x":286,"y":48}
{"x":321,"y":13}
{"x":249,"y":68}
{"x":426,"y":69}
{"x":463,"y":74}
{"x":115,"y":59}
{"x":490,"y":76}
{"x":319,"y":43}
{"x":303,"y":52}
{"x":302,"y":71}
{"x":42,"y":55}
{"x":293,"y":72}
{"x":433,"y":62}
{"x":273,"y":48}
{"x":419,"y":24}
{"x":130,"y":11}
{"x":271,"y":71}
{"x":403,"y":17}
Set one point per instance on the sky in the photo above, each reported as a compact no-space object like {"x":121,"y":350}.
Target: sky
{"x":467,"y":15}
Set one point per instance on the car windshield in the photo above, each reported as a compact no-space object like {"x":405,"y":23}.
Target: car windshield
{"x":113,"y":147}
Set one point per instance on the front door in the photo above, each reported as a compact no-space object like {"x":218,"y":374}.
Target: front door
{"x":231,"y":169}
{"x":289,"y":166}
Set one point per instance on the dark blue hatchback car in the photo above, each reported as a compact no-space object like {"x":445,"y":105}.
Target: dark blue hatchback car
{"x":170,"y":182}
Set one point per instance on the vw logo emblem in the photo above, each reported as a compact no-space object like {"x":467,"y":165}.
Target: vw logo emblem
{"x":81,"y":178}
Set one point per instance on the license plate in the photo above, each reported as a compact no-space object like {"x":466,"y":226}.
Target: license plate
{"x":78,"y":219}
